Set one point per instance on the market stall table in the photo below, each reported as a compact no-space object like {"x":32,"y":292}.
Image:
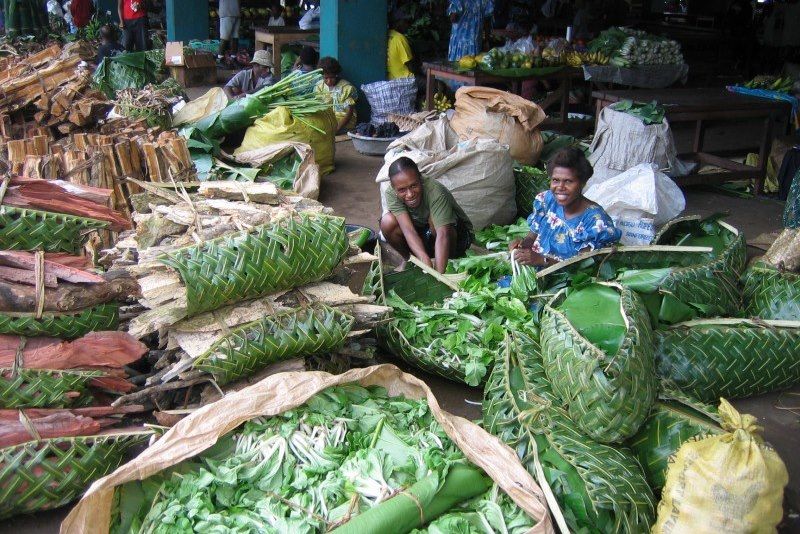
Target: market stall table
{"x":277,"y":36}
{"x":702,"y":106}
{"x":560,"y":96}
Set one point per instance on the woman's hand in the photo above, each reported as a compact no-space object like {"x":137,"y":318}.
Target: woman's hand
{"x":526,"y":256}
{"x":514,"y":244}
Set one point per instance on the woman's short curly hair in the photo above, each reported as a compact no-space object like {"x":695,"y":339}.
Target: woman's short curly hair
{"x":572,"y":158}
{"x":330,"y":66}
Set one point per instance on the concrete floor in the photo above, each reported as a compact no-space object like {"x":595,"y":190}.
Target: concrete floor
{"x":353,"y":193}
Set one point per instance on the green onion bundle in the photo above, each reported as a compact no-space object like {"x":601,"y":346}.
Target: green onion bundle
{"x":295,"y":92}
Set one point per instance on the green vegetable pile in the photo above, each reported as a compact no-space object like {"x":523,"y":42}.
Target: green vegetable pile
{"x":497,"y":237}
{"x":628,"y":47}
{"x":352,"y":460}
{"x":652,"y":113}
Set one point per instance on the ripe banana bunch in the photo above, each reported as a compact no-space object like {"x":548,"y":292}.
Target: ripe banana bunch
{"x":573,"y":59}
{"x":441,"y":102}
{"x":595,"y":58}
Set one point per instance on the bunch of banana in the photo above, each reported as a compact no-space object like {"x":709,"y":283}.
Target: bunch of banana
{"x":595,"y":58}
{"x":781,"y":84}
{"x":468,"y":62}
{"x":441,"y":102}
{"x":573,"y":59}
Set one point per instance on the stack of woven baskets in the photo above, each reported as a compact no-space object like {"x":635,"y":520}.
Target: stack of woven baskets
{"x":58,"y":361}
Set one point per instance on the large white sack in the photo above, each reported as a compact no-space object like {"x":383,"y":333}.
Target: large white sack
{"x":639,"y":200}
{"x":478,"y":172}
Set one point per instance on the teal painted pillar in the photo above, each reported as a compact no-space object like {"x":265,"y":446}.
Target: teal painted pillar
{"x":187,"y":20}
{"x":355,"y":33}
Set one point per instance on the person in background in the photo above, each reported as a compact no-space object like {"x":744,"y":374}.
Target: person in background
{"x":248,"y":81}
{"x":581,"y":21}
{"x":109,"y":45}
{"x":399,"y":58}
{"x":229,"y":19}
{"x":276,"y":15}
{"x":133,"y":22}
{"x":469,"y":18}
{"x":564,"y":223}
{"x":338,"y":92}
{"x":423,"y":218}
{"x":81,"y":11}
{"x":307,"y":61}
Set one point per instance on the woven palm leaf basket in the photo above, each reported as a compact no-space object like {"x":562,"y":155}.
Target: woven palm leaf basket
{"x":677,"y":283}
{"x":674,"y":419}
{"x":590,"y":486}
{"x":731,"y":358}
{"x":771,"y":294}
{"x":48,"y":473}
{"x":607,"y":395}
{"x":40,"y":388}
{"x":28,"y":229}
{"x":297,"y":333}
{"x":62,"y":325}
{"x":290,"y":252}
{"x":410,"y":285}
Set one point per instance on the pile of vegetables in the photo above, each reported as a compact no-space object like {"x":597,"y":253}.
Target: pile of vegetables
{"x":627,"y":48}
{"x":351,"y":459}
{"x":782,"y":84}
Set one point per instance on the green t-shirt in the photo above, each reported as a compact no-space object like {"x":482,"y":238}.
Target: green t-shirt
{"x":438,"y":206}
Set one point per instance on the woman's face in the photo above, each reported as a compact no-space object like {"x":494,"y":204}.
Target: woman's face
{"x":565,"y":186}
{"x":330,"y":79}
{"x":407,"y":185}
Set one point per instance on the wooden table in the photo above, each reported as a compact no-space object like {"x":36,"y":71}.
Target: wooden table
{"x":560,"y":97}
{"x":277,"y":36}
{"x":703,"y":106}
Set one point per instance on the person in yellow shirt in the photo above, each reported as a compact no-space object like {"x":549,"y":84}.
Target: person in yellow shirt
{"x":338,"y":92}
{"x":399,"y":55}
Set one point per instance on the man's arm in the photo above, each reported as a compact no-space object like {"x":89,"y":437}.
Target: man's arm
{"x":119,"y":12}
{"x":413,"y":240}
{"x":445,"y":236}
{"x":233,"y":88}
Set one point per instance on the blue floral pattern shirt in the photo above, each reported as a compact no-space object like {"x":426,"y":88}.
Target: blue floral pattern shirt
{"x":563,"y":238}
{"x":465,"y":34}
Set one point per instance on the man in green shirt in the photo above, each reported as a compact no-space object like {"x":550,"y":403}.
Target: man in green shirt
{"x":424,"y":218}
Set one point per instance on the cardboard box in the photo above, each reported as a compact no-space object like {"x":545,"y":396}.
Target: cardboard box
{"x":190,"y":70}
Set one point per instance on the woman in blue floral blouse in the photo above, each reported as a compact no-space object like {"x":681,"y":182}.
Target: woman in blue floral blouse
{"x":564,"y":223}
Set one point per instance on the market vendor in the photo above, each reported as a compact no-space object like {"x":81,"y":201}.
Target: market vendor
{"x":250,"y":80}
{"x":564,"y":223}
{"x":423,"y":218}
{"x":338,"y":92}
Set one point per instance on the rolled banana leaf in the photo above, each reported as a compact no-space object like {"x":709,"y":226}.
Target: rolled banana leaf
{"x":674,"y":419}
{"x":597,"y":346}
{"x":294,"y":334}
{"x":676,"y":283}
{"x":730,"y":249}
{"x":771,"y":294}
{"x":596,"y":487}
{"x":731,"y":358}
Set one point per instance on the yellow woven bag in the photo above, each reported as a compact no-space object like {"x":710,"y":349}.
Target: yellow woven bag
{"x":731,"y":483}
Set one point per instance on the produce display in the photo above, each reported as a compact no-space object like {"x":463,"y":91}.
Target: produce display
{"x":351,"y":459}
{"x":628,"y":48}
{"x":781,"y":84}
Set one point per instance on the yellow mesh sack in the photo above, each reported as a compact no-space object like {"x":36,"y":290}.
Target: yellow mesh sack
{"x":731,"y":483}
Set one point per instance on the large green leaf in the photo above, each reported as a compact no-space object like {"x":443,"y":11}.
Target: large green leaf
{"x":594,"y":311}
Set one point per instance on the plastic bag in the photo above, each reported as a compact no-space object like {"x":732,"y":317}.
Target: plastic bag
{"x":638,"y":200}
{"x":731,"y":483}
{"x":279,"y":125}
{"x":310,"y":20}
{"x":212,"y":102}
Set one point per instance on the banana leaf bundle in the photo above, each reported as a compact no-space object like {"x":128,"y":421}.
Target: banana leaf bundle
{"x":598,"y":488}
{"x":529,"y":181}
{"x":770,"y":293}
{"x":597,"y":345}
{"x":38,"y":388}
{"x":295,"y":91}
{"x":676,"y":283}
{"x":47,"y":473}
{"x":295,"y":334}
{"x":730,"y":249}
{"x":674,"y":419}
{"x":731,"y":358}
{"x":287,"y":253}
